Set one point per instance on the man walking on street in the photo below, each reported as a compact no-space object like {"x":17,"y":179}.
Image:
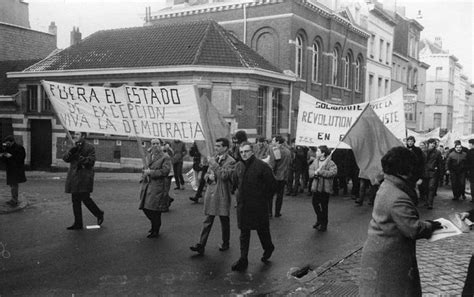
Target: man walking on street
{"x":280,"y":160}
{"x":431,"y":173}
{"x":217,"y":199}
{"x":80,"y":179}
{"x":14,"y":157}
{"x":456,"y":168}
{"x":179,"y":150}
{"x":255,"y":182}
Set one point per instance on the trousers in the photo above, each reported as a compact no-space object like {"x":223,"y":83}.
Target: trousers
{"x":207,"y":226}
{"x":77,"y":198}
{"x":279,"y":191}
{"x":155,"y":218}
{"x":320,"y":205}
{"x":263,"y":235}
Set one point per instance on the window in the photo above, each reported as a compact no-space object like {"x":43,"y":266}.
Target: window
{"x":399,"y":72}
{"x":410,"y":111}
{"x":387,"y":88}
{"x":380,"y":88}
{"x":357,"y":81}
{"x":167,"y":83}
{"x":372,"y":45}
{"x":335,"y":66}
{"x":299,"y":56}
{"x":394,"y":71}
{"x":409,"y":78}
{"x":387,"y":54}
{"x":415,"y":79}
{"x":143,"y":84}
{"x":315,"y":71}
{"x":438,"y":96}
{"x":45,"y":103}
{"x":381,"y":50}
{"x":262,"y":94}
{"x":347,"y":71}
{"x":371,"y":87}
{"x":276,"y":111}
{"x":450,"y":97}
{"x":32,"y":98}
{"x":437,"y":120}
{"x":438,"y":73}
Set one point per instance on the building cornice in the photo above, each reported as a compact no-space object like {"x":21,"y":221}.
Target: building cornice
{"x":384,"y":16}
{"x":149,"y":70}
{"x":400,"y":56}
{"x":209,"y":8}
{"x":24,"y":28}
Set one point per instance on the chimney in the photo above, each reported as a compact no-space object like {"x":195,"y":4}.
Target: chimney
{"x":438,"y":42}
{"x":76,"y":36}
{"x":52,"y":29}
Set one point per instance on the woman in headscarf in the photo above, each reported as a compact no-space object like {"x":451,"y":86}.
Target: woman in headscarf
{"x":154,"y":198}
{"x":389,"y":266}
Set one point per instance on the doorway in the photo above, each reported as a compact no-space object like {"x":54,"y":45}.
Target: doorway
{"x":41,"y":147}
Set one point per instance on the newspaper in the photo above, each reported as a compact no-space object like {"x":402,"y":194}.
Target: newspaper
{"x":453,"y":226}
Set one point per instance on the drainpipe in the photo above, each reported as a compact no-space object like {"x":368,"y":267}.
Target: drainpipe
{"x":290,"y":110}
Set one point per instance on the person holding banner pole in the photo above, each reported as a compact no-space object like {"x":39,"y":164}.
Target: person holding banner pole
{"x":80,"y":179}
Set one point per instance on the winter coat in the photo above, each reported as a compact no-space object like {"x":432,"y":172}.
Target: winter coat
{"x":155,"y":187}
{"x":255,"y":182}
{"x":388,"y":264}
{"x":217,"y":199}
{"x":470,"y":163}
{"x":418,"y":170}
{"x":281,"y":166}
{"x":80,"y":176}
{"x":194,"y":152}
{"x":179,"y":151}
{"x":433,"y":164}
{"x":261,"y":152}
{"x":301,"y":158}
{"x":324,"y":180}
{"x":456,"y":162}
{"x":15,"y":165}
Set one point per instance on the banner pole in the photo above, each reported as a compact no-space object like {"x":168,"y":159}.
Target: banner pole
{"x":68,"y":135}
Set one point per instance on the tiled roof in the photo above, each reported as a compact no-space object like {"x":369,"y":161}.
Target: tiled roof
{"x":202,"y":43}
{"x":10,"y":86}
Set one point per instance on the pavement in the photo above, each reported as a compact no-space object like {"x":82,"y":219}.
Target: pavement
{"x":443,"y":264}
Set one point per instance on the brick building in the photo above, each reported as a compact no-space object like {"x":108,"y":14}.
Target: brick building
{"x":244,"y":87}
{"x":324,"y":50}
{"x":20,"y":47}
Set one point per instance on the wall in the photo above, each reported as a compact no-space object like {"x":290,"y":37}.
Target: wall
{"x":14,"y":12}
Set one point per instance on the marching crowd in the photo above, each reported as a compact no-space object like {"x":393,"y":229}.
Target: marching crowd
{"x":258,"y":174}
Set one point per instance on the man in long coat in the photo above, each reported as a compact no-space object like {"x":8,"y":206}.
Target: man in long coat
{"x":255,"y":182}
{"x":14,"y":157}
{"x":217,"y":199}
{"x":80,"y":179}
{"x":431,"y":173}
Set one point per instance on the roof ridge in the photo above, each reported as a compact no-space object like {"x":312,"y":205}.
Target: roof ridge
{"x":201,"y":43}
{"x":221,"y":31}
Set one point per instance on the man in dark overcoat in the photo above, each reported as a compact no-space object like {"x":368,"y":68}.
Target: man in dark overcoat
{"x":80,"y":179}
{"x":14,"y":157}
{"x":255,"y":182}
{"x":431,"y":173}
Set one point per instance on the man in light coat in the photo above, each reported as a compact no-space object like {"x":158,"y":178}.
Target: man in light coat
{"x":80,"y":179}
{"x":217,"y":199}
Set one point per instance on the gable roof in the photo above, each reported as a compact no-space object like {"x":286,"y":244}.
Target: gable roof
{"x":203,"y":43}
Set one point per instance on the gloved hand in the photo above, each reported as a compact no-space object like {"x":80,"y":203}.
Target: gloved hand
{"x":435,"y":225}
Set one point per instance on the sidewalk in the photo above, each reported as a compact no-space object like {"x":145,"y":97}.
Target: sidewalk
{"x":442,"y":264}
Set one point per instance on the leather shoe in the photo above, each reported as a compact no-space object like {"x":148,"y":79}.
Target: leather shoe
{"x":277,"y":215}
{"x":153,"y":234}
{"x":323,"y":228}
{"x":12,"y":203}
{"x":74,"y":227}
{"x":240,"y":265}
{"x":315,"y":226}
{"x":267,"y":254}
{"x":223,"y":247}
{"x":100,"y":219}
{"x":199,"y":248}
{"x":194,"y":199}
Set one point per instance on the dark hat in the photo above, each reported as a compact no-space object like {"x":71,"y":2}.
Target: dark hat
{"x":9,"y":138}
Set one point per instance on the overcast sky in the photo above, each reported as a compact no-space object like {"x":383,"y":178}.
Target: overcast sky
{"x":452,"y":20}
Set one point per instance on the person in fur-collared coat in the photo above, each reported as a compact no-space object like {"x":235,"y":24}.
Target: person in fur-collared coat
{"x":388,"y":264}
{"x":154,"y":198}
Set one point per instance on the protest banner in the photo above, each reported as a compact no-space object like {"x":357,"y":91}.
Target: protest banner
{"x":169,"y":112}
{"x":391,"y":111}
{"x":324,"y":123}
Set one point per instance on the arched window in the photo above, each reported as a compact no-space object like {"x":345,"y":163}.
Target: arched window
{"x":335,"y":67}
{"x":299,"y":56}
{"x":347,"y":70}
{"x":357,"y":73}
{"x":316,"y":55}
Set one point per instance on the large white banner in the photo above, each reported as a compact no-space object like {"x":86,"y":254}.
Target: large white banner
{"x":321,"y":123}
{"x":391,"y":111}
{"x":169,"y":112}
